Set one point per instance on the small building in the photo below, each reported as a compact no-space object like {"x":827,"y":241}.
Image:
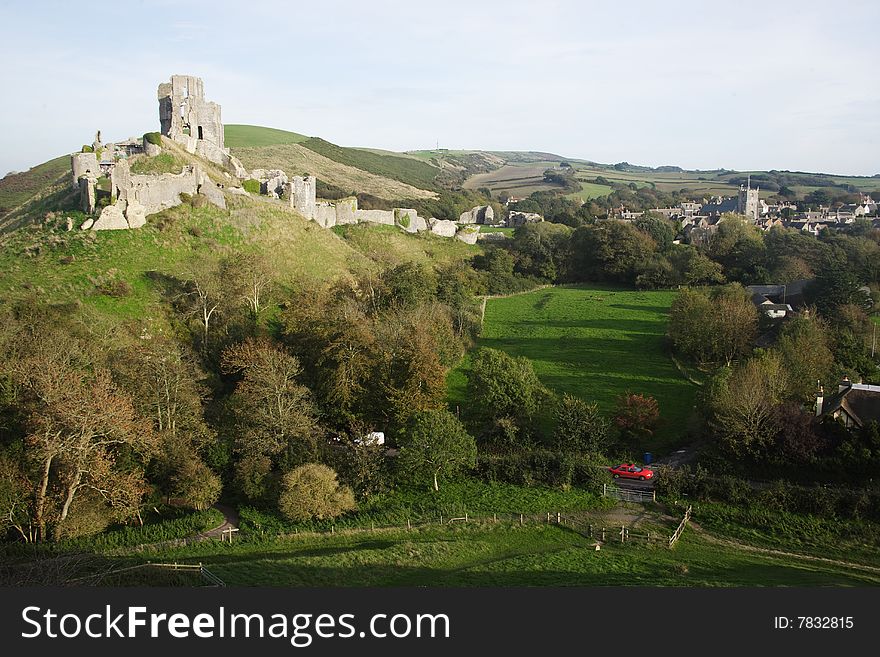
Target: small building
{"x":854,"y":404}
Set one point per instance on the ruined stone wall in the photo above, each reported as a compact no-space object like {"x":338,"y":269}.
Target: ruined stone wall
{"x":325,"y":215}
{"x":385,"y":217}
{"x":159,"y":192}
{"x":81,"y":164}
{"x":302,"y":194}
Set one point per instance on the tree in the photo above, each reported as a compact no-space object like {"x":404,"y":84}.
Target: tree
{"x":716,"y":328}
{"x":580,"y":428}
{"x":205,"y":292}
{"x":195,"y":483}
{"x":743,"y":405}
{"x":436,"y":445}
{"x":77,"y":425}
{"x":500,"y":386}
{"x":312,"y":491}
{"x":609,"y":251}
{"x":804,"y":347}
{"x":636,"y":415}
{"x":273,"y":410}
{"x":252,"y":272}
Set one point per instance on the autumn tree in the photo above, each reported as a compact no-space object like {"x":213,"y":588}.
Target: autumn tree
{"x":636,"y":416}
{"x":273,"y":411}
{"x":312,"y":491}
{"x":436,"y":446}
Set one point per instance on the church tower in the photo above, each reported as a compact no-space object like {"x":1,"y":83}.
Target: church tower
{"x":747,"y":202}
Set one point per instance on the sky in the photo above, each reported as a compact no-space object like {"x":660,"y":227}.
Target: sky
{"x":703,"y":85}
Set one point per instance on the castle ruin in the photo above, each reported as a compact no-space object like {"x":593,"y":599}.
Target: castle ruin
{"x":122,"y":199}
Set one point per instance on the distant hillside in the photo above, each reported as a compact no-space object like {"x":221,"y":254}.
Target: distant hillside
{"x":237,"y":136}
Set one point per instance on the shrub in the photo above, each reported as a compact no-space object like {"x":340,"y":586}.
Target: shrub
{"x":312,"y":491}
{"x":115,"y":289}
{"x":251,"y":185}
{"x":87,"y":149}
{"x":196,"y":484}
{"x":153,"y":138}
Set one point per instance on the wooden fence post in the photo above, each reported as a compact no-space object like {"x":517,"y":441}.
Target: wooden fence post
{"x":622,"y":535}
{"x":494,"y":517}
{"x":603,"y":534}
{"x":408,"y":525}
{"x":558,"y":518}
{"x":520,"y":519}
{"x":590,"y":527}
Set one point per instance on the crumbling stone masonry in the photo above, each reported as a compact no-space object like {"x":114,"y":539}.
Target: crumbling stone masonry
{"x":482,"y":214}
{"x":190,"y":120}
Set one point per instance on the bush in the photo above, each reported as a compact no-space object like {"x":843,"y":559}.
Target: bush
{"x":251,"y":185}
{"x":153,"y":138}
{"x":117,"y":289}
{"x":312,"y":491}
{"x":87,"y":149}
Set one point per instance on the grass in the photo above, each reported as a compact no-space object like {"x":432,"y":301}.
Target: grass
{"x":594,"y":342}
{"x":238,"y":136}
{"x":70,"y":266}
{"x":493,"y":229}
{"x":405,"y":169}
{"x":420,"y":505}
{"x":162,"y":163}
{"x":502,"y":554}
{"x":850,"y":540}
{"x":18,"y":188}
{"x":389,"y":246}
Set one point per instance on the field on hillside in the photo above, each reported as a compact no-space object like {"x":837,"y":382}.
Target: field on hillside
{"x":236,"y":136}
{"x":595,"y":342}
{"x":502,"y":554}
{"x":514,"y":179}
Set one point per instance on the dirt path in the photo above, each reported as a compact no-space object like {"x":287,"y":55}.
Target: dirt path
{"x":778,"y":553}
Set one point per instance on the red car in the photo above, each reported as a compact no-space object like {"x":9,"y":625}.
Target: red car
{"x":631,"y":471}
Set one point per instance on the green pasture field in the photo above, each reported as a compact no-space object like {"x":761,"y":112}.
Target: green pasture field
{"x":595,"y":342}
{"x":500,"y":554}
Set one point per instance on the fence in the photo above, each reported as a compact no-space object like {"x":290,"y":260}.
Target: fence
{"x":677,"y":533}
{"x":604,"y":534}
{"x":629,"y":494}
{"x":206,"y":574}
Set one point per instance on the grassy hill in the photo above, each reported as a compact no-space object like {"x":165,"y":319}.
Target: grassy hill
{"x":594,"y":342}
{"x":238,"y":136}
{"x":18,"y":188}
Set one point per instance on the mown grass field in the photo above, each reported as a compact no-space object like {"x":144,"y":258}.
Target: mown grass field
{"x":594,"y":342}
{"x":502,"y":554}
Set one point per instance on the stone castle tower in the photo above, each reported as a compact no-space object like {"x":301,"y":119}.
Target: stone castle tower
{"x":747,"y":202}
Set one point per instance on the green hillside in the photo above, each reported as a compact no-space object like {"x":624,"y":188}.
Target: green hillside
{"x":402,"y":168}
{"x":237,"y":136}
{"x":62,"y":266}
{"x":17,"y":188}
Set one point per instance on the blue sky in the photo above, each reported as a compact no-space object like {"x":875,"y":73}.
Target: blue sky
{"x":741,"y":85}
